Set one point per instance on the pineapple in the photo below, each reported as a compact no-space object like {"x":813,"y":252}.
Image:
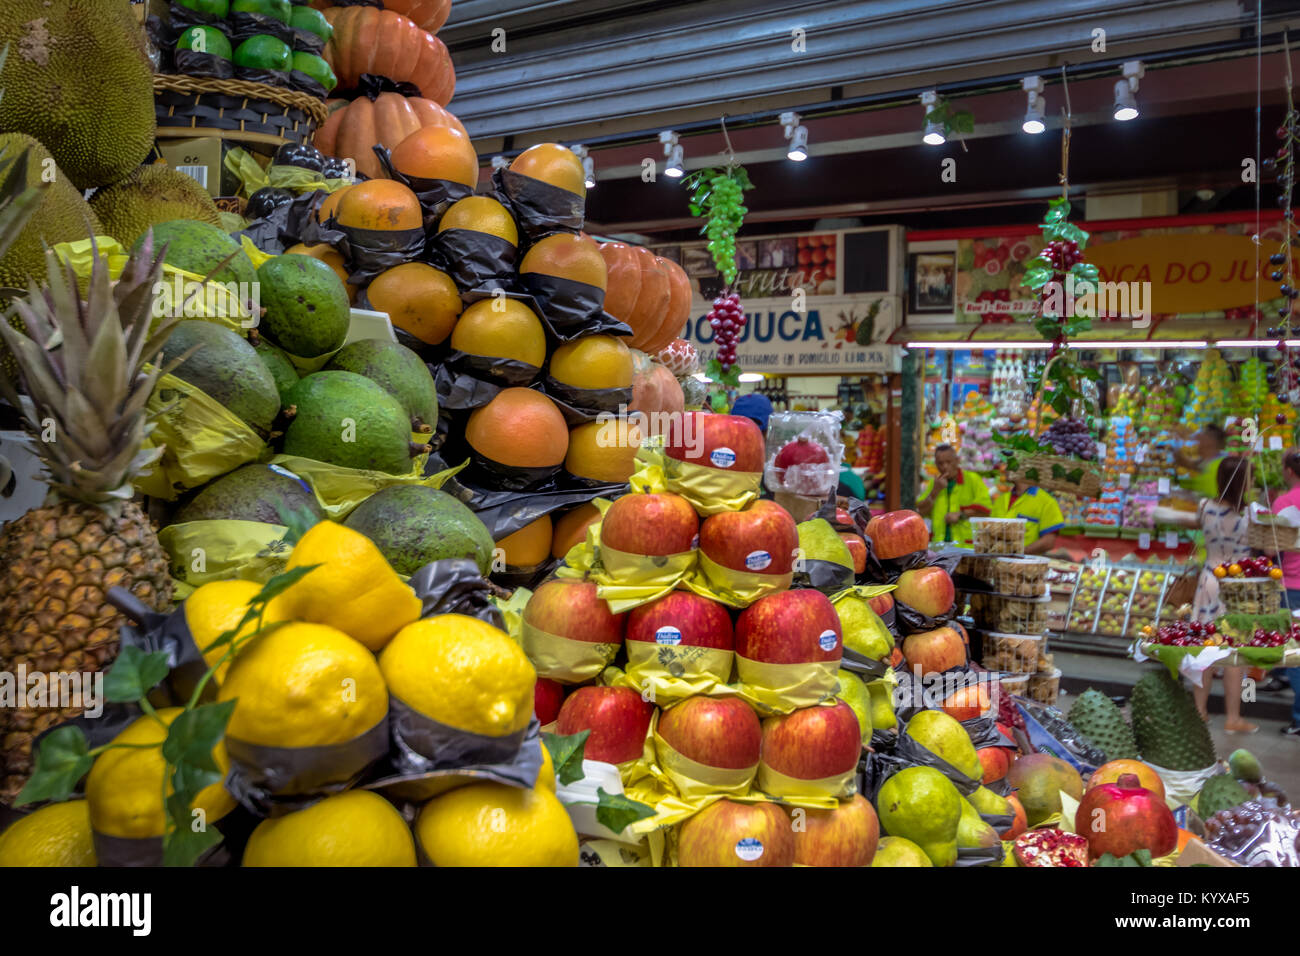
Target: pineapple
{"x":83,"y":366}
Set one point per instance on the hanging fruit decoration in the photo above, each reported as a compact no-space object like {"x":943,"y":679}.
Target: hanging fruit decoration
{"x":1284,"y":376}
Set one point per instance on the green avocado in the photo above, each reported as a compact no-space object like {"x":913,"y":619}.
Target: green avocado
{"x":347,"y":420}
{"x":202,"y":249}
{"x":265,"y":493}
{"x":227,"y":368}
{"x":307,"y":306}
{"x":280,"y":10}
{"x":413,"y":525}
{"x":278,"y":364}
{"x":398,"y":370}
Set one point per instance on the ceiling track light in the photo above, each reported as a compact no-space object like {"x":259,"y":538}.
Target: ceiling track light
{"x":1126,"y":107}
{"x":1033,"y":87}
{"x":588,"y":165}
{"x":796,"y":134}
{"x":933,"y":134}
{"x":672,"y":155}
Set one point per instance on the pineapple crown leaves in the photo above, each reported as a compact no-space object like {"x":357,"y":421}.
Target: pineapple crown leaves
{"x":83,"y":365}
{"x":18,"y":201}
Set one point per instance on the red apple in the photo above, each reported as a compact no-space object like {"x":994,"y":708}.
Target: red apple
{"x":845,"y":836}
{"x":719,"y":732}
{"x":1122,"y":818}
{"x":725,"y":442}
{"x":897,"y":533}
{"x":996,"y":761}
{"x":843,"y":518}
{"x":727,"y":833}
{"x":650,"y":524}
{"x":571,"y":608}
{"x":811,"y":743}
{"x":934,"y":651}
{"x":857,"y":550}
{"x":928,"y":590}
{"x":882,"y":604}
{"x":681,"y":618}
{"x":760,"y":539}
{"x":616,"y":716}
{"x":548,"y":695}
{"x":790,"y":627}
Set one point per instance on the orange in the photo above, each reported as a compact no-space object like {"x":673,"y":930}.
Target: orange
{"x":519,"y":427}
{"x":481,"y":214}
{"x":328,"y":255}
{"x":330,"y":204}
{"x":501,"y":328}
{"x":437,"y":152}
{"x":603,"y":450}
{"x":566,"y":256}
{"x":553,"y":164}
{"x":571,"y":528}
{"x":528,"y":546}
{"x":593,"y":361}
{"x":380,"y":204}
{"x":418,"y":298}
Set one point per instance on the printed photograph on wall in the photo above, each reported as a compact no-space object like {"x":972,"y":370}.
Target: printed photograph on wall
{"x":932,"y":283}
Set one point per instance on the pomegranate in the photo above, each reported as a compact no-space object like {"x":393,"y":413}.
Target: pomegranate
{"x":1123,"y":817}
{"x":1051,"y":847}
{"x":803,"y":467}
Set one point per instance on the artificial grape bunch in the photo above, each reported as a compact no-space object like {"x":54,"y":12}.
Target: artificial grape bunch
{"x":1062,"y":254}
{"x":1283,"y":377}
{"x":727,"y":318}
{"x":717,"y":196}
{"x":1070,"y":436}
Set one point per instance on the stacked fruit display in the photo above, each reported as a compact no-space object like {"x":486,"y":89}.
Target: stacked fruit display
{"x":1212,"y":391}
{"x":1194,"y":634}
{"x":1071,"y":437}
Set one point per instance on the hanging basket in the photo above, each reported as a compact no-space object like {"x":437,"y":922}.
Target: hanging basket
{"x":1050,"y":472}
{"x":1272,"y":537}
{"x":238,"y":110}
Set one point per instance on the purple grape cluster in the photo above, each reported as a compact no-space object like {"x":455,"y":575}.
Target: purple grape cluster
{"x":727,"y":318}
{"x":1070,"y":436}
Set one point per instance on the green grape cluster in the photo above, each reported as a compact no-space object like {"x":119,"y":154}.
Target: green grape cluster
{"x":726,"y":212}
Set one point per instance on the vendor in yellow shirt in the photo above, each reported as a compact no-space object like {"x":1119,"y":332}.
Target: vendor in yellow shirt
{"x":955,"y":497}
{"x":1211,"y":448}
{"x":1043,"y":518}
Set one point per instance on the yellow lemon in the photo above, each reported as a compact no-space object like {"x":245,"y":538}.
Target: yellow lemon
{"x":501,"y":328}
{"x":491,"y":824}
{"x":356,"y":828}
{"x":304,"y":685}
{"x":593,"y":361}
{"x":354,"y":589}
{"x":461,"y":672}
{"x":219,"y":606}
{"x":480,"y":214}
{"x":124,"y":790}
{"x":546,"y":778}
{"x":57,"y":835}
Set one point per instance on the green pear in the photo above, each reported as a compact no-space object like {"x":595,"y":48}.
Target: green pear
{"x":818,"y":541}
{"x":882,"y":704}
{"x":972,"y":831}
{"x":854,"y":693}
{"x":922,"y":805}
{"x":945,"y":737}
{"x":864,"y":631}
{"x":897,"y":851}
{"x":1245,"y":766}
{"x":989,"y":803}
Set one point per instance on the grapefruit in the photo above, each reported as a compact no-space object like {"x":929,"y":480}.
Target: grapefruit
{"x":603,"y":450}
{"x":437,"y":152}
{"x":530,"y":545}
{"x":481,"y":214}
{"x":519,"y":427}
{"x":567,"y":256}
{"x":571,"y":528}
{"x":418,"y":298}
{"x":593,"y":361}
{"x":382,"y":204}
{"x":553,"y":164}
{"x":514,"y":332}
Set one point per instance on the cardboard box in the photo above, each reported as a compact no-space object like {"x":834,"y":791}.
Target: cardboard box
{"x":1196,"y":853}
{"x":200,"y":158}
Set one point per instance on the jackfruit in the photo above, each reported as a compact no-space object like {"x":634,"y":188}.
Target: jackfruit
{"x":149,"y":196}
{"x":1220,"y":792}
{"x":1168,"y":730}
{"x":77,"y":79}
{"x":1102,"y":724}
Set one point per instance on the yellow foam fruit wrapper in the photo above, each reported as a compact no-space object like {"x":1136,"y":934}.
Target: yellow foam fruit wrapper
{"x":125,"y":787}
{"x":461,"y":672}
{"x":354,"y":589}
{"x":304,"y":685}
{"x":491,"y":824}
{"x":356,"y":828}
{"x":55,"y":835}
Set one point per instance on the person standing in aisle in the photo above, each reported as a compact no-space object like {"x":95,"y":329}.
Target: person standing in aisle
{"x":757,"y":408}
{"x":954,"y":498}
{"x":1224,"y":523}
{"x":1043,"y":518}
{"x":1211,"y":442}
{"x":1291,"y":575}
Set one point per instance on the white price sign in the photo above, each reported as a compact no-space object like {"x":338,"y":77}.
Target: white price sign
{"x":1275,"y":443}
{"x":1163,"y":486}
{"x":1171,"y":539}
{"x":1144,"y":541}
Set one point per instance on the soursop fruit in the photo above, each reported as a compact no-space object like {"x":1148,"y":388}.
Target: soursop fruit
{"x":1102,"y":724}
{"x":1168,"y":730}
{"x":1220,"y":793}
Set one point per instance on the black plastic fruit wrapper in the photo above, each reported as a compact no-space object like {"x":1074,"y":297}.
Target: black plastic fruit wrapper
{"x":169,"y":633}
{"x":304,"y":41}
{"x":825,"y":576}
{"x":455,"y":586}
{"x":435,"y":195}
{"x":504,"y":513}
{"x":465,"y":382}
{"x":582,"y":405}
{"x":370,"y":85}
{"x":878,"y":765}
{"x":571,"y":309}
{"x":910,"y":699}
{"x":1049,"y":732}
{"x":510,"y":477}
{"x":863,"y":666}
{"x":476,"y":261}
{"x":908,"y":619}
{"x":539,"y":207}
{"x":512,"y":577}
{"x":114,"y":851}
{"x":980,"y":855}
{"x":983,"y":732}
{"x":426,"y":751}
{"x":367,"y":252}
{"x":204,"y":66}
{"x":305,"y":83}
{"x":272,"y":781}
{"x":244,"y":26}
{"x":278,"y":78}
{"x":284,"y":226}
{"x":916,"y":755}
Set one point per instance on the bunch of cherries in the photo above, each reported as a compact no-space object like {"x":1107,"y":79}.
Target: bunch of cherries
{"x":1195,"y":634}
{"x":1061,"y":254}
{"x":1249,"y":568}
{"x":727,"y":318}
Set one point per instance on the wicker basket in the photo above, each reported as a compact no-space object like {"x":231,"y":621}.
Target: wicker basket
{"x":1272,"y":538}
{"x":1251,"y":595}
{"x":188,"y":106}
{"x":1038,"y":470}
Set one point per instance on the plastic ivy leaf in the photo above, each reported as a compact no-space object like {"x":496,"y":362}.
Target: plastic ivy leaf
{"x":617,"y":811}
{"x":184,"y":845}
{"x":1037,"y":276}
{"x":62,"y":759}
{"x":566,"y":755}
{"x":134,"y":674}
{"x":1085,"y":271}
{"x":193,"y":734}
{"x":963,"y":121}
{"x":281,"y":583}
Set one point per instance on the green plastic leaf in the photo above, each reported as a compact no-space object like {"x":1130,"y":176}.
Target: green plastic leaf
{"x":1037,"y":276}
{"x":566,"y":755}
{"x":617,"y":811}
{"x":62,"y":759}
{"x":297,"y":522}
{"x":963,"y":121}
{"x":1085,"y":272}
{"x":134,"y":674}
{"x":183,"y":846}
{"x":193,"y":734}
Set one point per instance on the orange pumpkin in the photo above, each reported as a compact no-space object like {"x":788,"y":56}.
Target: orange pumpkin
{"x":427,"y":14}
{"x":647,"y":287}
{"x":655,"y":392}
{"x":368,"y":40}
{"x":353,"y":128}
{"x":679,"y":307}
{"x":623,"y":278}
